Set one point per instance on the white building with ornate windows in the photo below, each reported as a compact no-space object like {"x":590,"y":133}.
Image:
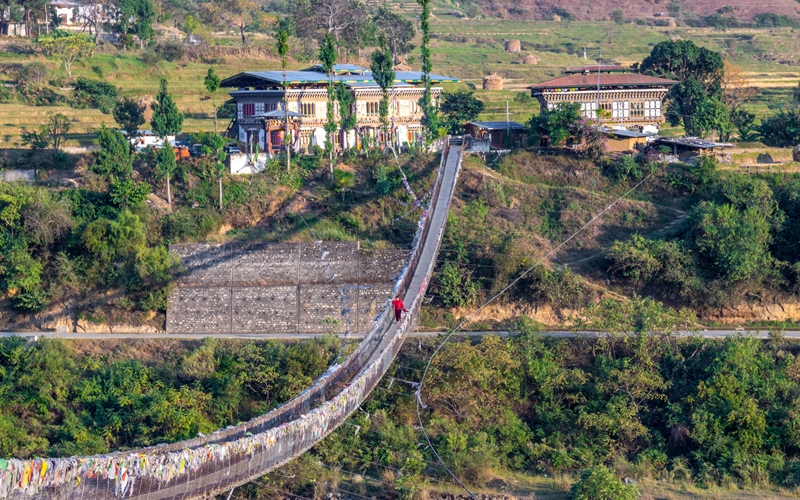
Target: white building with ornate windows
{"x":631,"y":100}
{"x":259,"y":97}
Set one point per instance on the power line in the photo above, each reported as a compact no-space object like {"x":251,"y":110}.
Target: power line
{"x":492,"y":299}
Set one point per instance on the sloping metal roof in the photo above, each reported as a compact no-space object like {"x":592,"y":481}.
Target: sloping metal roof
{"x":606,"y":80}
{"x":339,"y":68}
{"x":693,"y":142}
{"x":498,"y":125}
{"x":594,"y":68}
{"x":623,"y":133}
{"x":250,"y":78}
{"x":279,"y":113}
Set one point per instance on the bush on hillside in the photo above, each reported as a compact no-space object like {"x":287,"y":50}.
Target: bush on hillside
{"x":170,"y":51}
{"x":97,"y":94}
{"x":599,"y":483}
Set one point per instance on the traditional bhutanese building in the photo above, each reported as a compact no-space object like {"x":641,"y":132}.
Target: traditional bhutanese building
{"x":259,"y":97}
{"x":631,"y":99}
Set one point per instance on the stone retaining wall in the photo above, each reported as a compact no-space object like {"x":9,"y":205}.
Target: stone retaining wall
{"x":308,"y":287}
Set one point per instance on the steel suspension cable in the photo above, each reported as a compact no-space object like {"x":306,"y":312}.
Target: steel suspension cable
{"x":492,"y":299}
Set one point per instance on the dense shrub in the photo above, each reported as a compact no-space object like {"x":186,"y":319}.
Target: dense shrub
{"x":88,"y":93}
{"x":170,"y":51}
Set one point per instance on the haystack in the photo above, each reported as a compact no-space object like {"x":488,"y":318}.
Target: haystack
{"x":493,"y":82}
{"x":556,"y":17}
{"x":671,"y":23}
{"x":530,"y":59}
{"x":402,"y":67}
{"x":513,"y":46}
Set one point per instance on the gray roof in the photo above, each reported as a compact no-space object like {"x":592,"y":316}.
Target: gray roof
{"x":250,"y":78}
{"x":278,"y":113}
{"x":498,"y":125}
{"x":693,"y":142}
{"x":339,"y":68}
{"x":623,"y":133}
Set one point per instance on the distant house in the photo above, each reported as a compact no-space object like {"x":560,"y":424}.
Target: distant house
{"x":12,"y":28}
{"x":259,"y":100}
{"x":630,"y":99}
{"x":497,"y":135}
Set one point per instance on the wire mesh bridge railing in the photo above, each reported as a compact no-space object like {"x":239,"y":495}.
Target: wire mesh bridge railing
{"x":218,"y":462}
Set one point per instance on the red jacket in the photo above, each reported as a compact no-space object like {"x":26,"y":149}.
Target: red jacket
{"x":398,"y":305}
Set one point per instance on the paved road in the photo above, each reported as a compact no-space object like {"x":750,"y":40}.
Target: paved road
{"x":792,"y":334}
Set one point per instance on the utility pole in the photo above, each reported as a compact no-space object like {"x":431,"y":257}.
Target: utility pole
{"x":599,"y":63}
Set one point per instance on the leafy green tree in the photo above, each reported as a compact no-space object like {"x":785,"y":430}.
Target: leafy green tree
{"x":36,"y":139}
{"x":383,"y":74}
{"x":166,"y":164}
{"x":136,"y":17}
{"x":554,"y":124}
{"x":212,"y":82}
{"x":343,"y":180}
{"x":713,"y":114}
{"x":397,"y":30}
{"x":327,"y":56}
{"x":69,"y":47}
{"x":167,"y":120}
{"x":781,"y":129}
{"x":618,"y":16}
{"x":733,"y":244}
{"x":347,"y":119}
{"x":89,"y":93}
{"x":744,"y":123}
{"x":599,"y":483}
{"x":282,"y":47}
{"x":213,"y":146}
{"x":460,"y":107}
{"x":699,"y":72}
{"x":456,"y":287}
{"x":127,"y":193}
{"x":115,"y":159}
{"x":58,"y":126}
{"x":129,"y":114}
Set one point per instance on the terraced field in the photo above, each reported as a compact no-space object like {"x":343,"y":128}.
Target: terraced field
{"x":466,"y":48}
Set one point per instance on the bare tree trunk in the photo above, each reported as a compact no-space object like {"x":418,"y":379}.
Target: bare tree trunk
{"x":214,"y":101}
{"x":241,"y":32}
{"x":169,"y":193}
{"x":220,"y":194}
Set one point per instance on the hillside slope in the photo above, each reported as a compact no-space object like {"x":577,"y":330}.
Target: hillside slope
{"x":636,"y":9}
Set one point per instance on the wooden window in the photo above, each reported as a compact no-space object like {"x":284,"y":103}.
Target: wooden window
{"x":248,"y":109}
{"x":308,"y":109}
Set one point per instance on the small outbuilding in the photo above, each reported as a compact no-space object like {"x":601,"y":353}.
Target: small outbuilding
{"x":623,"y":141}
{"x":496,"y":135}
{"x":688,"y":148}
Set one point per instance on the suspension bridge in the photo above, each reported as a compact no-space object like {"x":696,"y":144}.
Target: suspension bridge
{"x":217,"y":463}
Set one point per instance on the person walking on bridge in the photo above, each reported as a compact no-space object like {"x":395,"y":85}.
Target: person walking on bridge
{"x":399,"y":308}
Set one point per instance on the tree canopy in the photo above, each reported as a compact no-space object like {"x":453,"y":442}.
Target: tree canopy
{"x":699,"y":72}
{"x":167,"y":119}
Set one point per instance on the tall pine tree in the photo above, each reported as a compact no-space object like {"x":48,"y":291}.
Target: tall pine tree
{"x":167,"y":120}
{"x":282,"y":45}
{"x":383,"y":74}
{"x":327,"y":56}
{"x":430,"y":117}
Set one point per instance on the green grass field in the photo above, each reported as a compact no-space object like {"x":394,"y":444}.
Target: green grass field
{"x":467,"y":49}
